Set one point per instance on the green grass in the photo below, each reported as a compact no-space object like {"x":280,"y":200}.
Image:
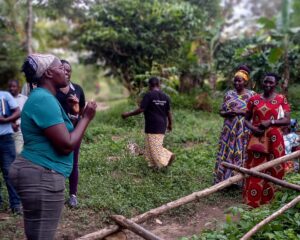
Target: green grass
{"x":116,"y":181}
{"x":112,"y":180}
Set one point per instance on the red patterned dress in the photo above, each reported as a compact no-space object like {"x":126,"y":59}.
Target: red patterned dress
{"x":256,"y":190}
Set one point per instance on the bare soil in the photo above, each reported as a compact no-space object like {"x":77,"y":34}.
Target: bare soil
{"x":206,"y":216}
{"x":170,"y":226}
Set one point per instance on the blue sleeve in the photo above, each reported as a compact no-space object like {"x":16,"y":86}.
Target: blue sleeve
{"x":12,"y":103}
{"x":47,"y":113}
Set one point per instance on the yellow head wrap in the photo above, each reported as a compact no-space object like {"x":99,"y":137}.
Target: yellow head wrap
{"x":243,"y":74}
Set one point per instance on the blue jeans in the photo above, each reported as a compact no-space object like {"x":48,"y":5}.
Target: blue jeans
{"x":7,"y":156}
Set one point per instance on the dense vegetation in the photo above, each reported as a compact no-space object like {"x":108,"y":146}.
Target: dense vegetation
{"x":120,"y":44}
{"x":285,"y":226}
{"x":180,"y":40}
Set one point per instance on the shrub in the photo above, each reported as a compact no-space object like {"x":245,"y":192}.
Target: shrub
{"x":294,"y":97}
{"x":286,"y":226}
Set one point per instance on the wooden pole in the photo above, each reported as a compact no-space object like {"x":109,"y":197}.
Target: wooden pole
{"x":132,"y":226}
{"x":270,"y":218}
{"x":262,"y":175}
{"x":190,"y":198}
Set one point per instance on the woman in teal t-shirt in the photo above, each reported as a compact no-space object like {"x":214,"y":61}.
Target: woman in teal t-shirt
{"x":49,"y":140}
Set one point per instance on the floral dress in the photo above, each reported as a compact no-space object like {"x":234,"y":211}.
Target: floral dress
{"x":258,"y":191}
{"x":234,"y":136}
{"x":291,"y":140}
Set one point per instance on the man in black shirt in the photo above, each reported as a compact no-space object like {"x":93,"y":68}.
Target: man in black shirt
{"x":72,"y":100}
{"x":158,"y":118}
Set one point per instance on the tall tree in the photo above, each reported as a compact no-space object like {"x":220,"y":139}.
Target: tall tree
{"x":129,"y":36}
{"x":285,"y":30}
{"x":11,"y":47}
{"x":29,"y":27}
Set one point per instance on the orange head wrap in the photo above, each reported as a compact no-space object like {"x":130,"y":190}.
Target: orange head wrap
{"x":243,"y":74}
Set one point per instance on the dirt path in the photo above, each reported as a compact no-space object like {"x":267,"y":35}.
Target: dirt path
{"x":171,"y":228}
{"x":101,"y":106}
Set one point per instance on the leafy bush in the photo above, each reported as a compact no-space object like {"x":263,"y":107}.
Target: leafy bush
{"x":200,"y":99}
{"x":285,"y":226}
{"x":294,"y":97}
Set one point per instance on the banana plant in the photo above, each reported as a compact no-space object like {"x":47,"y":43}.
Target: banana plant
{"x":275,"y":43}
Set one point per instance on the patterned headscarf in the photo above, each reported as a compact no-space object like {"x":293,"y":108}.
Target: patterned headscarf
{"x":242,"y":74}
{"x":40,"y":63}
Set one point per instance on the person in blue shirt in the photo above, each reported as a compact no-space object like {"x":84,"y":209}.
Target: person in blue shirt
{"x":9,"y":112}
{"x":50,"y":138}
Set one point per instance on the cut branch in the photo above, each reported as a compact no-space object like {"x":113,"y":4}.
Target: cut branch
{"x":262,"y":175}
{"x":270,"y":218}
{"x":187,"y":199}
{"x":132,"y":226}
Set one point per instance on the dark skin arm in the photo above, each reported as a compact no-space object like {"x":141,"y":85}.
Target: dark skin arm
{"x":65,"y":142}
{"x":169,"y":121}
{"x":231,"y":114}
{"x":278,"y":123}
{"x":140,"y":110}
{"x":225,"y":114}
{"x":255,"y":130}
{"x":13,"y":117}
{"x":133,"y":113}
{"x":258,"y":131}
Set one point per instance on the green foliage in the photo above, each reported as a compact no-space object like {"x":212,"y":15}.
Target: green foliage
{"x":130,"y":36}
{"x":294,"y":16}
{"x":11,"y":50}
{"x":226,"y":62}
{"x":265,"y":52}
{"x":294,"y":97}
{"x":11,"y":55}
{"x":286,"y":226}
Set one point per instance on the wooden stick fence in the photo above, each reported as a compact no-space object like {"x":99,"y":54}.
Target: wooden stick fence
{"x":263,"y":175}
{"x":132,"y":226}
{"x":257,"y":227}
{"x":187,"y":199}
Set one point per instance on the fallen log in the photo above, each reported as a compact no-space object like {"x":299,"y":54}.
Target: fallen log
{"x":255,"y":229}
{"x":187,"y":199}
{"x":132,"y":226}
{"x":262,"y":175}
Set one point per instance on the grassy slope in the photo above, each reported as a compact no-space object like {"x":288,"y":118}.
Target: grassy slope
{"x":114,"y":181}
{"x":118,"y":181}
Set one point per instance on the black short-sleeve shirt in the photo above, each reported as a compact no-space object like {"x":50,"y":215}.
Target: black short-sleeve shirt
{"x":75,"y":89}
{"x":156,"y":106}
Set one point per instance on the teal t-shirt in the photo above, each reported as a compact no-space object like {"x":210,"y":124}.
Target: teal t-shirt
{"x":42,"y":110}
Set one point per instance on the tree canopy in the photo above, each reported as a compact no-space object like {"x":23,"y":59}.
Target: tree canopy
{"x":130,"y":35}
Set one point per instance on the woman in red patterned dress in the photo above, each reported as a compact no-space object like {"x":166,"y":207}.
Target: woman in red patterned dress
{"x":264,"y":110}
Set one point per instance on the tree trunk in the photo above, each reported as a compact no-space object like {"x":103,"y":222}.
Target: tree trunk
{"x":213,"y":80}
{"x":187,"y":81}
{"x":286,"y":76}
{"x":285,"y":24}
{"x":29,"y":27}
{"x":127,"y":79}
